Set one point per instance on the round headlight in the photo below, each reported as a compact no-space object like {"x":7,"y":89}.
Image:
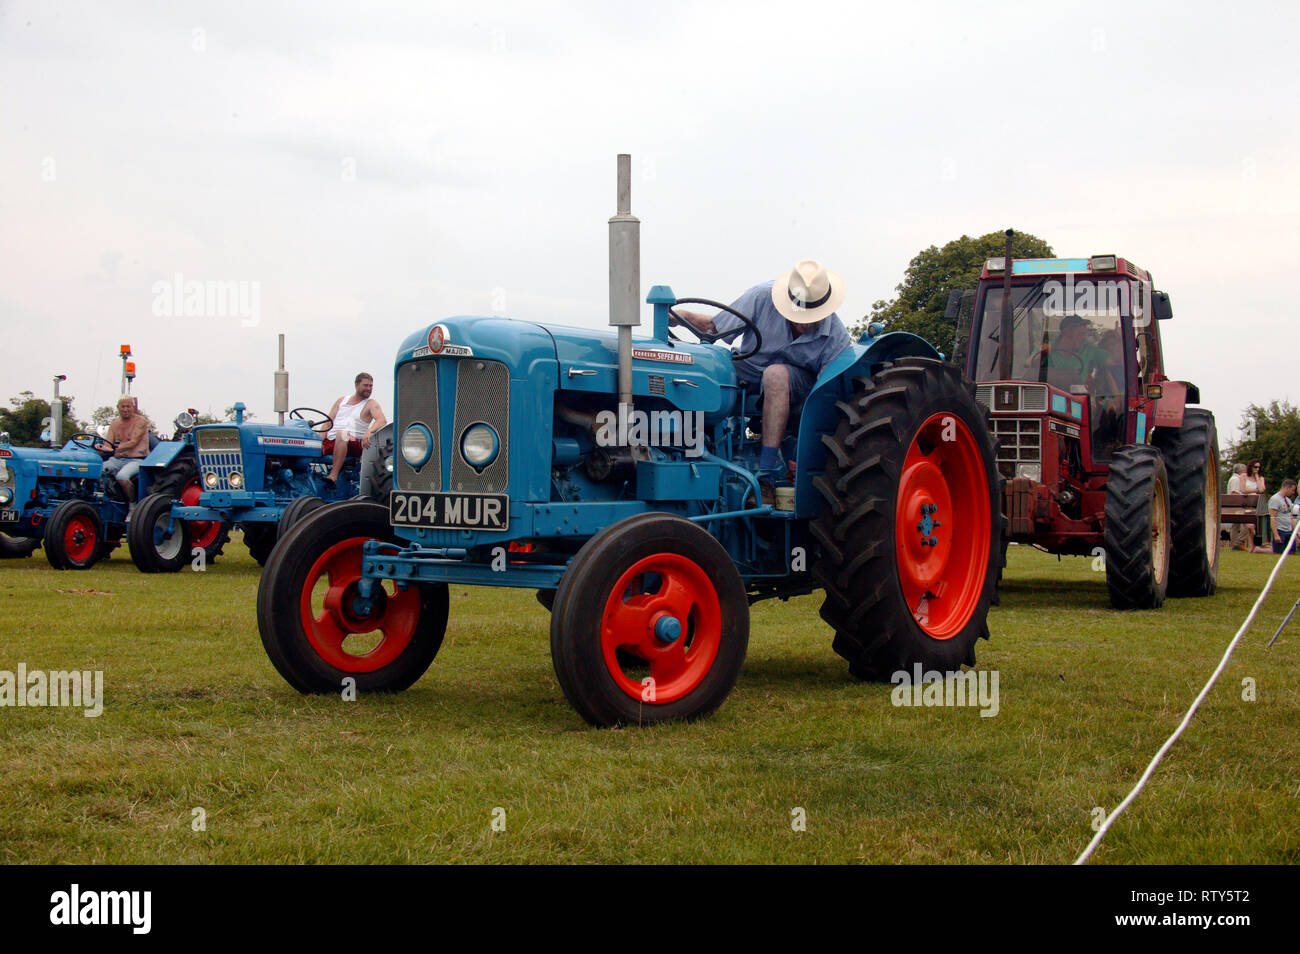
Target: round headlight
{"x":209,"y":480}
{"x":479,"y":445}
{"x":388,"y":463}
{"x":236,"y":480}
{"x":6,"y":495}
{"x":417,"y":445}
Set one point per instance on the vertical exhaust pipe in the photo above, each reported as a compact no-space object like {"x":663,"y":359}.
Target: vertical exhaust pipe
{"x":624,"y":282}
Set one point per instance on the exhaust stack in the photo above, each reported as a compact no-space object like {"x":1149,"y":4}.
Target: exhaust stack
{"x":624,"y":280}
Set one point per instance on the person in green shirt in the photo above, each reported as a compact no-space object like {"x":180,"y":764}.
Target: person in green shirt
{"x":1071,"y":360}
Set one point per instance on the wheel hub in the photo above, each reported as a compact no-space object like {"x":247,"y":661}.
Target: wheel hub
{"x":668,"y":629}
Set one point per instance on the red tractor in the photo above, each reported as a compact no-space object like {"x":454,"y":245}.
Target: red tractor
{"x":1100,"y":452}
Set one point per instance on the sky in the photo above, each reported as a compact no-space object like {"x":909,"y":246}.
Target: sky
{"x":355,"y":171}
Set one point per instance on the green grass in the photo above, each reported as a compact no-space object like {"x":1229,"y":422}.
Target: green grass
{"x":196,"y":717}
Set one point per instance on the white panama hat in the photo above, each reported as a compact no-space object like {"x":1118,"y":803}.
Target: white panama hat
{"x":808,"y":293}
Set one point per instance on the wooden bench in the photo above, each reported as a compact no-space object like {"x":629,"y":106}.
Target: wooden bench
{"x":1238,"y":508}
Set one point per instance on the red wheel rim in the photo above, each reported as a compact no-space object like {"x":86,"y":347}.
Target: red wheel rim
{"x":660,"y":588}
{"x":942,"y":526}
{"x":395,"y":615}
{"x":203,"y":533}
{"x":79,"y":539}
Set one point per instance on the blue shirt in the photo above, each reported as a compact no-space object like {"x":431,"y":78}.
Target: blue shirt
{"x":810,"y":351}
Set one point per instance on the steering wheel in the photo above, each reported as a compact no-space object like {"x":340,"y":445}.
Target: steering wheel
{"x":711,"y":338}
{"x":324,"y":418}
{"x":94,"y":439}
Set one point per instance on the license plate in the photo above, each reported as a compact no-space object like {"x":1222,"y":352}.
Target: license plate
{"x":449,"y":511}
{"x":9,"y":516}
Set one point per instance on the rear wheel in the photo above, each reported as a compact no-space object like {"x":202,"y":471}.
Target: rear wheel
{"x":17,"y":547}
{"x":316,"y":626}
{"x":74,"y":536}
{"x":910,"y":527}
{"x":650,"y":623}
{"x":260,"y":540}
{"x":295,"y":511}
{"x":1137,"y":528}
{"x":158,"y":543}
{"x":1191,"y":455}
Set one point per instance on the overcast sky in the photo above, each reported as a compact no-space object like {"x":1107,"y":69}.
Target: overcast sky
{"x":370,"y":168}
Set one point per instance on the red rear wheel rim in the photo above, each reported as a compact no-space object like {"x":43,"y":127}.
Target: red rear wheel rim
{"x":79,"y":539}
{"x":942,"y":526}
{"x":203,"y":533}
{"x":395,"y":615}
{"x":664,"y":586}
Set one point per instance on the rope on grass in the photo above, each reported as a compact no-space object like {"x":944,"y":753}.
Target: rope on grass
{"x":1141,"y":782}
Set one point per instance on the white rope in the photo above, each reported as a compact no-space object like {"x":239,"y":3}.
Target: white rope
{"x":1110,"y":819}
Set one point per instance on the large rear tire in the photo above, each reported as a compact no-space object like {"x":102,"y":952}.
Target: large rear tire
{"x":1137,"y":528}
{"x":158,"y":543}
{"x":260,"y":540}
{"x":910,"y":528}
{"x":376,"y":479}
{"x":74,"y":536}
{"x":1191,"y":455}
{"x":318,"y":631}
{"x":17,"y":547}
{"x":297,"y":508}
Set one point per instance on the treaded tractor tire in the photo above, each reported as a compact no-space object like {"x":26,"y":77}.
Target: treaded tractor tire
{"x":153,"y":549}
{"x":907,"y":584}
{"x":376,"y":480}
{"x":305,"y":626}
{"x":1137,"y":528}
{"x":295,"y":511}
{"x":650,"y":623}
{"x":74,"y":536}
{"x":17,"y":547}
{"x":180,"y":481}
{"x":1191,"y":455}
{"x":179,"y":473}
{"x":260,"y":540}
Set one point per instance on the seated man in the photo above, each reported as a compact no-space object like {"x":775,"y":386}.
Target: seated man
{"x":356,"y":418}
{"x":128,"y":438}
{"x":1071,"y":359}
{"x":801,"y":335}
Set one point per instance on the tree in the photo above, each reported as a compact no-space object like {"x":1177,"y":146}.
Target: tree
{"x":1271,"y":433}
{"x":923,"y":294}
{"x":22,"y":420}
{"x":230,"y":414}
{"x":103,"y":416}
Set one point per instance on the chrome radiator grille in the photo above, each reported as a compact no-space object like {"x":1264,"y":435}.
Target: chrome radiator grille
{"x":1019,"y":440}
{"x":417,"y":403}
{"x":482,"y":396}
{"x":219,"y":453}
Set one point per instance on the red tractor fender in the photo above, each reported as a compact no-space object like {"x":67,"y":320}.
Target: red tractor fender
{"x":1167,"y":411}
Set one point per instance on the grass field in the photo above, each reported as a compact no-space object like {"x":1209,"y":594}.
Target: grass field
{"x":195,"y":717}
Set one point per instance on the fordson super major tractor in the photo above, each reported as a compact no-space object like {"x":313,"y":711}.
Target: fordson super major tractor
{"x":524,"y":458}
{"x":262,"y":477}
{"x":1100,"y":452}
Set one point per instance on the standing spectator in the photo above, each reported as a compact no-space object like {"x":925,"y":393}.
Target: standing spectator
{"x":1282,"y":514}
{"x":1253,"y":483}
{"x":1240,"y":536}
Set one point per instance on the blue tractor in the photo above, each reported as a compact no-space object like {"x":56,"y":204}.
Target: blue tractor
{"x":262,"y":477}
{"x":523,"y":460}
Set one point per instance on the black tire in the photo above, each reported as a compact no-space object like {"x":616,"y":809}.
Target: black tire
{"x":15,"y":548}
{"x":260,"y":540}
{"x":74,"y":536}
{"x":298,"y":508}
{"x":153,"y":548}
{"x":1191,"y":455}
{"x":711,"y":602}
{"x":376,"y":479}
{"x":289,"y":572}
{"x":174,"y":481}
{"x":1137,"y":528}
{"x":878,"y":593}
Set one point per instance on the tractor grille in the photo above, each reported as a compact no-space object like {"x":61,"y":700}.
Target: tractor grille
{"x":219,"y":453}
{"x":417,"y":403}
{"x":1012,"y":397}
{"x":1019,"y":439}
{"x":482,"y":397}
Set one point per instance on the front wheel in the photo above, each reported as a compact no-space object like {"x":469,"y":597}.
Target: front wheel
{"x":1191,"y":456}
{"x":317,"y":627}
{"x":650,"y":623}
{"x":74,"y":536}
{"x":17,"y":547}
{"x":910,"y":526}
{"x":158,"y":543}
{"x":298,"y":508}
{"x":1137,"y":528}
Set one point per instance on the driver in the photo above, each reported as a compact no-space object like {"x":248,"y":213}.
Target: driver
{"x":795,"y":314}
{"x":128,"y":436}
{"x":356,"y":418}
{"x":1072,"y":359}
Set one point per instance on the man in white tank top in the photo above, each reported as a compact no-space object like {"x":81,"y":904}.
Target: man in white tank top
{"x":356,"y":418}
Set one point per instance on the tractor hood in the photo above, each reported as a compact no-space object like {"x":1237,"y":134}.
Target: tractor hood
{"x":69,"y":461}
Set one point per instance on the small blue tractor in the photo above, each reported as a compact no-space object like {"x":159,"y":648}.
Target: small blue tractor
{"x":525,"y":459}
{"x":263,"y":477}
{"x":61,"y":497}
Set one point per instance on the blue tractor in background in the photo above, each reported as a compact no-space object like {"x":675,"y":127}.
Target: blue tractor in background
{"x":261,"y":477}
{"x":647,"y":546}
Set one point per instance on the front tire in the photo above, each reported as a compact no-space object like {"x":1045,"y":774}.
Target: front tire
{"x":297,"y":508}
{"x":154,"y":547}
{"x":1137,"y":528}
{"x":650,"y":623}
{"x":17,"y":547}
{"x":316,"y":628}
{"x":910,"y":527}
{"x":74,"y":536}
{"x":1191,"y":455}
